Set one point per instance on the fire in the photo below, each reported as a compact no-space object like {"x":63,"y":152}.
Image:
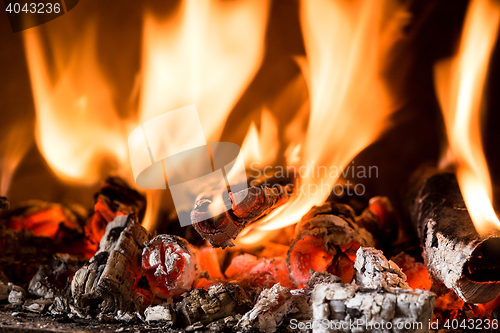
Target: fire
{"x":206,"y":54}
{"x":78,"y":129}
{"x":460,"y":82}
{"x":13,"y":147}
{"x":346,"y":43}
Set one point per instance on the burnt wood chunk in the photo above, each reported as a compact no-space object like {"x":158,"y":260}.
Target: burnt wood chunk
{"x":455,"y":254}
{"x":346,"y":305}
{"x":269,"y":311}
{"x":244,"y":208}
{"x":219,"y":301}
{"x":326,"y":239}
{"x":373,"y":270}
{"x":109,"y":278}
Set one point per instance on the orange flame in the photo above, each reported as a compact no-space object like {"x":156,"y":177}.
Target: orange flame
{"x":346,"y":42}
{"x":460,"y":83}
{"x":78,"y":130}
{"x":199,"y":56}
{"x":14,"y":145}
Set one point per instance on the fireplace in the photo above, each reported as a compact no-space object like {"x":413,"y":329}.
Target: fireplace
{"x":366,"y":135}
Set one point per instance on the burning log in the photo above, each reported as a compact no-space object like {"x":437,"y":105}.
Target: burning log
{"x":454,"y":253}
{"x":113,"y":199}
{"x":271,"y":308}
{"x":170,"y":265}
{"x":343,"y":305}
{"x":253,"y":204}
{"x":326,"y":239}
{"x":109,"y":279}
{"x":219,"y":301}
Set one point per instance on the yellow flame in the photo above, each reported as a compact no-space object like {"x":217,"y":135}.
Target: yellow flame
{"x":460,"y":82}
{"x":261,"y":146}
{"x":78,"y":130}
{"x":206,"y":54}
{"x":346,"y":42}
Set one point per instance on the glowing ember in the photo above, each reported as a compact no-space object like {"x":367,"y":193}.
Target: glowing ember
{"x":460,"y":83}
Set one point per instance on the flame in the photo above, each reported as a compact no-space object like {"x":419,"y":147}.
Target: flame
{"x":261,"y":146}
{"x":460,"y":82}
{"x":206,"y":54}
{"x":345,"y":43}
{"x":78,"y":130}
{"x":14,"y":145}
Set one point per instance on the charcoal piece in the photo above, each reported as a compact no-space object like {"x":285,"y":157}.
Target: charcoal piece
{"x":4,"y":203}
{"x":219,"y":301}
{"x":17,"y":295}
{"x":326,"y":239}
{"x":114,"y":198}
{"x":373,"y":270}
{"x":269,"y":311}
{"x":37,"y":305}
{"x":323,"y":277}
{"x":109,"y":278}
{"x":161,"y":313}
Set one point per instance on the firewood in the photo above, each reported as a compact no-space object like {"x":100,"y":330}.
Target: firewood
{"x":336,"y":306}
{"x":326,"y":239}
{"x":219,"y":301}
{"x":373,"y":270}
{"x":114,"y":198}
{"x":455,"y":254}
{"x":110,"y":277}
{"x":269,"y":311}
{"x":247,"y":206}
{"x":170,"y":265}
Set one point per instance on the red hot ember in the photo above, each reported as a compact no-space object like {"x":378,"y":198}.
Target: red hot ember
{"x":170,"y":265}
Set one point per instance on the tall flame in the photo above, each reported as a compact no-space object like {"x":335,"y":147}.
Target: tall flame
{"x":460,"y":82}
{"x":206,"y":54}
{"x":346,"y":43}
{"x":78,"y":130}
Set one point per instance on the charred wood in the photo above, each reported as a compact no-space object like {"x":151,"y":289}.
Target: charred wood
{"x":109,"y":278}
{"x":246,"y":207}
{"x":373,"y":270}
{"x":326,"y":239}
{"x":455,"y":254}
{"x":342,"y":304}
{"x":114,"y":198}
{"x":219,"y":301}
{"x":269,"y":311}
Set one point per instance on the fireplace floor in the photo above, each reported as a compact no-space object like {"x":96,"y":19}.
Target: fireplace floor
{"x":14,"y":321}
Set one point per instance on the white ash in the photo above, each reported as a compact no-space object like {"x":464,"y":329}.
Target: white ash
{"x":373,"y":270}
{"x":17,"y":295}
{"x":341,"y":304}
{"x":160,"y":313}
{"x":271,"y":308}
